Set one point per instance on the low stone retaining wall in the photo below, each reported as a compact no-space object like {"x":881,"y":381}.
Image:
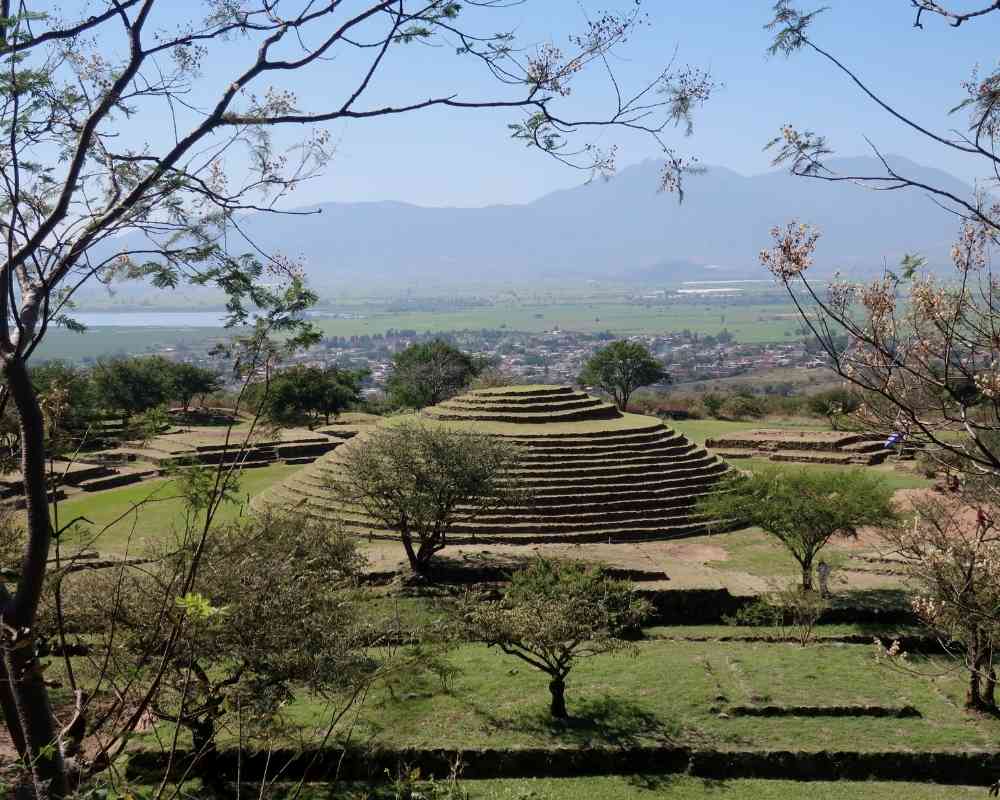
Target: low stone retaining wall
{"x":898,"y":712}
{"x":931,"y":767}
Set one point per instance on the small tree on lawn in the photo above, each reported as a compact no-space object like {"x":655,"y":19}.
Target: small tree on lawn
{"x":803,"y":508}
{"x":420,"y":479}
{"x":620,"y":369}
{"x":554,"y":614}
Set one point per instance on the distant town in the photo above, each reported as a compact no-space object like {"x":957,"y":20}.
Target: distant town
{"x":558,"y":356}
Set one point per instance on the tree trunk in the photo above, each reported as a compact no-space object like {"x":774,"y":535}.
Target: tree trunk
{"x":411,"y":556}
{"x":557,"y":686}
{"x":973,"y":697}
{"x":207,"y":751}
{"x":989,"y":689}
{"x":807,"y":575}
{"x":973,"y":694}
{"x":27,"y":692}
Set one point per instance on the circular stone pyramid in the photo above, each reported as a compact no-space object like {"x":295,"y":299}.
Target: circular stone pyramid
{"x":595,"y":474}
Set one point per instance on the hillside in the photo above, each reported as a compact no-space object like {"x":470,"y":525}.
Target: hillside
{"x":622,"y":228}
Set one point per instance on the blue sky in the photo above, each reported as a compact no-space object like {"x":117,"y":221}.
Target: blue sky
{"x":467,"y":158}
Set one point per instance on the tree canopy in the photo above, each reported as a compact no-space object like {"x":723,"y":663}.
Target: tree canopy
{"x":553,"y":614}
{"x":189,"y":381}
{"x":312,"y":393}
{"x":803,"y":509}
{"x":133,"y":385}
{"x":424,"y":374}
{"x":620,"y":368}
{"x":419,"y":479}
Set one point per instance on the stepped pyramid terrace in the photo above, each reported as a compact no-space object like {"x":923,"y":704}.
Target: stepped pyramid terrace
{"x":594,"y":473}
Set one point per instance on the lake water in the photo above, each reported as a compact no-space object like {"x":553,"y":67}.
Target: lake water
{"x":150,"y":319}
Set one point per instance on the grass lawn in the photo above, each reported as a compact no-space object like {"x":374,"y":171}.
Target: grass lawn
{"x":698,"y":430}
{"x":762,"y":632}
{"x":673,"y":692}
{"x":149,"y":510}
{"x":894,"y":478}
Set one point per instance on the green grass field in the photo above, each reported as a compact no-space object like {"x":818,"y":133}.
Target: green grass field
{"x":673,"y":692}
{"x":752,"y":323}
{"x":748,"y":323}
{"x":149,"y":510}
{"x":698,"y":430}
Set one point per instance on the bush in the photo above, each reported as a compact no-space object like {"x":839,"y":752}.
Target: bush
{"x":792,"y":610}
{"x":742,"y":406}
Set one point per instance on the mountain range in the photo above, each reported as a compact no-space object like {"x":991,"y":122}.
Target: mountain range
{"x":620,"y":229}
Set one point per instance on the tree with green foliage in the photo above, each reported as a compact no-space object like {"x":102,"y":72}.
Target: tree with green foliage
{"x":88,"y":196}
{"x":803,"y":508}
{"x":621,"y":368}
{"x":188,"y":381}
{"x":742,"y":405}
{"x":834,"y":404}
{"x":72,"y":385}
{"x":311,"y":393}
{"x":555,"y":613}
{"x":240,"y":655}
{"x":424,"y":374}
{"x":133,"y":385}
{"x":420,"y":479}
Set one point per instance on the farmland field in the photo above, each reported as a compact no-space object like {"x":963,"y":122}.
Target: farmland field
{"x":749,"y":323}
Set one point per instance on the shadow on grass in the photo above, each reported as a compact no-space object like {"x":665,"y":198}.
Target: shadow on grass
{"x":872,"y":599}
{"x":600,"y":721}
{"x":663,"y":783}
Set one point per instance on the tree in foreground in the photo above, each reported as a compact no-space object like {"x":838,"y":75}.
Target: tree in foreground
{"x":238,"y":656}
{"x":88,"y":196}
{"x":552,"y":615}
{"x":951,"y":553}
{"x":420,"y":479}
{"x":426,"y":374}
{"x":803,"y":508}
{"x":621,"y":368}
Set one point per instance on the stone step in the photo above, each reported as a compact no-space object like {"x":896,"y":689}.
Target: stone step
{"x":571,"y":439}
{"x":120,"y":479}
{"x":662,"y":521}
{"x":622,"y":457}
{"x":520,"y":407}
{"x":664,"y":466}
{"x":598,"y":412}
{"x":541,"y":391}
